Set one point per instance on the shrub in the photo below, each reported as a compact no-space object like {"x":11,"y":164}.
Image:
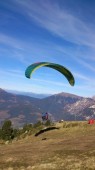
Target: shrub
{"x":0,"y":133}
{"x":38,"y":124}
{"x":7,"y":130}
{"x":48,"y":123}
{"x":27,"y":127}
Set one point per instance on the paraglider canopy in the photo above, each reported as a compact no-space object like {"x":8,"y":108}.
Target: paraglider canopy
{"x":31,"y":68}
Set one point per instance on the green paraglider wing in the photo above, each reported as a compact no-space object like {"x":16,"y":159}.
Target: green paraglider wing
{"x":30,"y":69}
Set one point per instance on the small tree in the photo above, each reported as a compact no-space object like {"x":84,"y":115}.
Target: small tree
{"x":7,"y":130}
{"x":0,"y":133}
{"x":27,"y":127}
{"x":15,"y":133}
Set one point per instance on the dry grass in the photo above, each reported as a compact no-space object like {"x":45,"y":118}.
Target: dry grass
{"x":72,"y":147}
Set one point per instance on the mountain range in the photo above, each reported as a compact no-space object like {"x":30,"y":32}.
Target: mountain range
{"x":30,"y":94}
{"x":22,"y":109}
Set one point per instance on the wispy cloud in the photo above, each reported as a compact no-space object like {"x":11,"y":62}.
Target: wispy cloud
{"x":57,"y":20}
{"x":10,"y":41}
{"x":24,"y":50}
{"x":12,"y":73}
{"x":21,"y":74}
{"x":86,"y":64}
{"x":82,"y":77}
{"x":51,"y":82}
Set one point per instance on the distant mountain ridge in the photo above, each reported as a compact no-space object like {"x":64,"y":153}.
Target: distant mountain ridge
{"x":24,"y":109}
{"x":30,"y":94}
{"x":93,"y":97}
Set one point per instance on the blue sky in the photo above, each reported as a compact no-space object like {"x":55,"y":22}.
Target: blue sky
{"x":58,"y":31}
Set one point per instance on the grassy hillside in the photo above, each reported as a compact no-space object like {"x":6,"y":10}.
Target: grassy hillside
{"x":71,"y":147}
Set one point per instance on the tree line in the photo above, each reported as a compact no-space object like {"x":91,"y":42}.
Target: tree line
{"x":8,"y":132}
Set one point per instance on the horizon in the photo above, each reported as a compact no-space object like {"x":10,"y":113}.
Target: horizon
{"x":57,"y":31}
{"x":43,"y":94}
